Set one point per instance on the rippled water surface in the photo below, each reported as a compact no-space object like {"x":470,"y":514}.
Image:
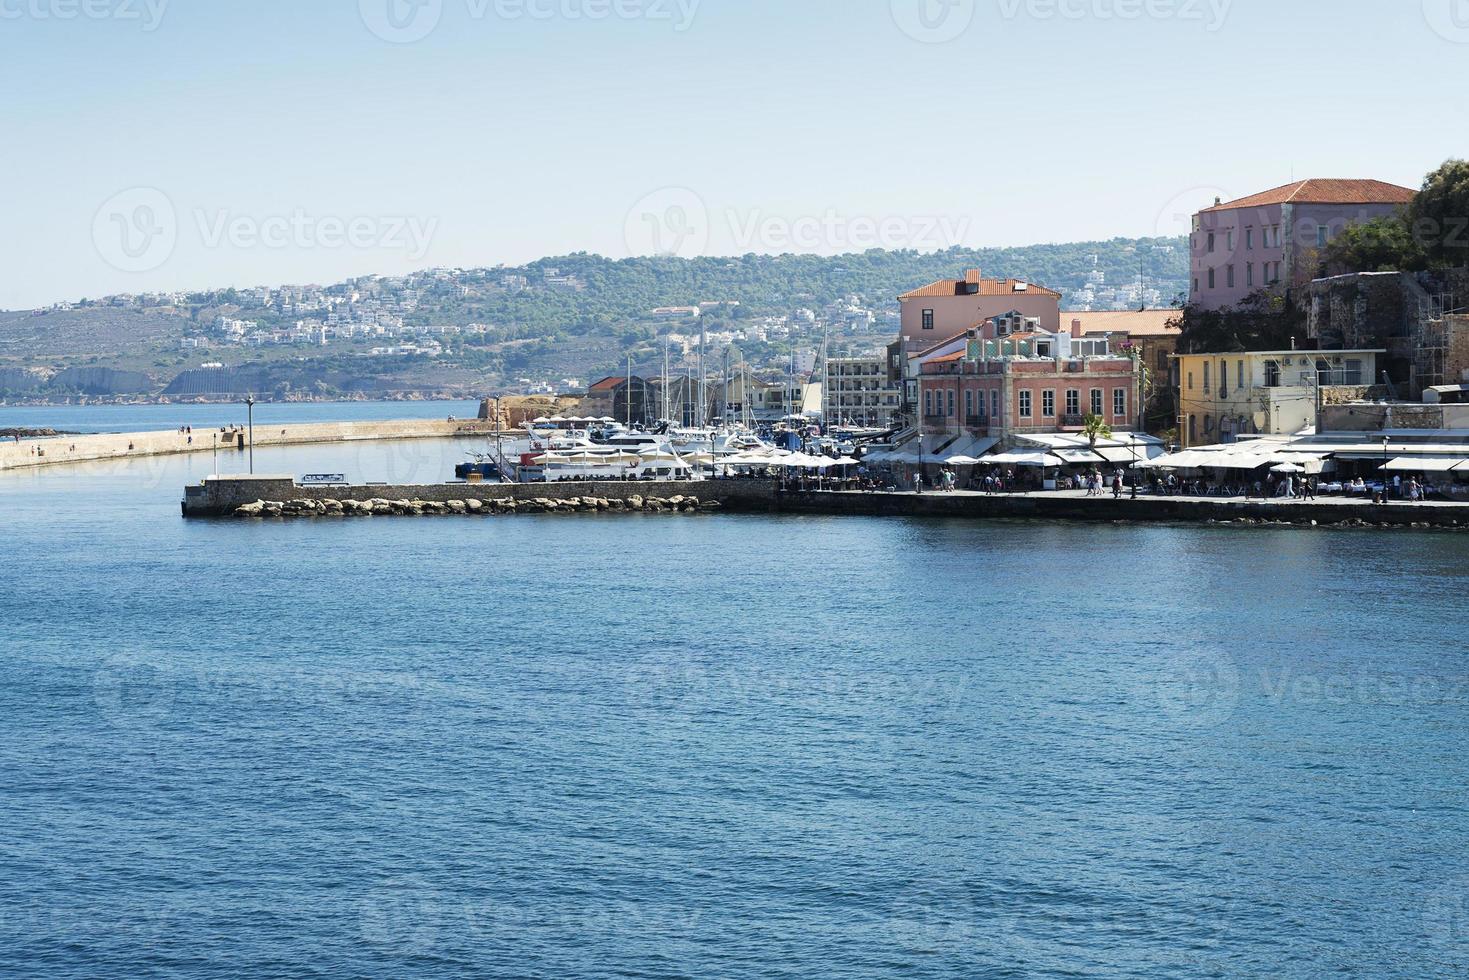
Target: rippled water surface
{"x":718,"y":746}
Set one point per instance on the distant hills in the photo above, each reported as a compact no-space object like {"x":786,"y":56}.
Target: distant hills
{"x":564,"y":317}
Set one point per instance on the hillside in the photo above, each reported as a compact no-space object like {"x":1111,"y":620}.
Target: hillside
{"x":546,"y":325}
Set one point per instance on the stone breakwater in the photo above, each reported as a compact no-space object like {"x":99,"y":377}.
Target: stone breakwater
{"x":136,"y":445}
{"x":475,"y":506}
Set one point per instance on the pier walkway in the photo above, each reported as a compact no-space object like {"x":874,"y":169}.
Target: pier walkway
{"x":134,"y":445}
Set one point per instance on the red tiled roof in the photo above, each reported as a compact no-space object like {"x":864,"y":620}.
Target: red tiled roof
{"x":1136,"y":323}
{"x":958,"y":355}
{"x":1324,"y":191}
{"x":607,"y":384}
{"x":987,"y":287}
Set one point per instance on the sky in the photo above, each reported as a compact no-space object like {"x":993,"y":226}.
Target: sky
{"x":151,"y":145}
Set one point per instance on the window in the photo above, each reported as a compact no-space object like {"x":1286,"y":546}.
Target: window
{"x":1119,"y":402}
{"x":928,"y":403}
{"x":1272,"y":374}
{"x":1229,"y":240}
{"x":1239,"y":375}
{"x":1096,"y":401}
{"x":1211,"y":278}
{"x":1249,"y":239}
{"x":1193,"y":429}
{"x":1323,"y":234}
{"x":1206,"y":377}
{"x":1223,"y":378}
{"x":1196,"y":284}
{"x":1229,"y":276}
{"x":995,"y":403}
{"x":969,"y":401}
{"x":928,"y":319}
{"x":1210,"y":246}
{"x":1354,"y":372}
{"x":1073,"y":401}
{"x":1249,"y":274}
{"x":1025,"y":404}
{"x":951,"y":404}
{"x":1190,"y":381}
{"x":1048,"y":404}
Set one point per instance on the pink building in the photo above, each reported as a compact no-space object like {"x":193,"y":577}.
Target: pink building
{"x":1273,"y":238}
{"x":947,"y":307}
{"x":1012,"y":377}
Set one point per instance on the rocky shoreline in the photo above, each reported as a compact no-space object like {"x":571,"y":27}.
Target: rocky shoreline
{"x":382,"y":507}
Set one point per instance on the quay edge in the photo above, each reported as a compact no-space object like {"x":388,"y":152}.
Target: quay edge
{"x":221,"y":496}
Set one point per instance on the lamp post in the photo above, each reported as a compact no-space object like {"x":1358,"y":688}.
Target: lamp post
{"x":920,"y":459}
{"x":250,"y":424}
{"x":1386,"y":493}
{"x":1132,"y":447}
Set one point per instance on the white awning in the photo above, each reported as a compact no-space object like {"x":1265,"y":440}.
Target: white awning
{"x":1077,"y":457}
{"x":1406,"y":464}
{"x":1038,"y":460}
{"x":968,"y":447}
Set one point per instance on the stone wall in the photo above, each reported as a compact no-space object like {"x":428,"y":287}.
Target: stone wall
{"x":220,"y":496}
{"x":132,"y":445}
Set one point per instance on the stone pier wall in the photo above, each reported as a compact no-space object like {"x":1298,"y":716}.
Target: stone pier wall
{"x":132,"y":445}
{"x":220,"y":496}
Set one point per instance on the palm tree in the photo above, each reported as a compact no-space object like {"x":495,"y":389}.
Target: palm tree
{"x":1095,"y":428}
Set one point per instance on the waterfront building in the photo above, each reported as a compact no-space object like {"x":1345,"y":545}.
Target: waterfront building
{"x":1153,"y":334}
{"x":1011,"y":377}
{"x":1272,"y":239}
{"x":861,"y":393}
{"x":945,"y":309}
{"x":1226,"y":395}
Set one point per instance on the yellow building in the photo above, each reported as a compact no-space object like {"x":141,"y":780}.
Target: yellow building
{"x":1221,"y":396}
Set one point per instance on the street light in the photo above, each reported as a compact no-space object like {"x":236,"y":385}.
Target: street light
{"x":1386,"y":494}
{"x":250,"y":424}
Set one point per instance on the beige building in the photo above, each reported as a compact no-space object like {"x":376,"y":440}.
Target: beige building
{"x":1222,"y":396}
{"x":861,"y":393}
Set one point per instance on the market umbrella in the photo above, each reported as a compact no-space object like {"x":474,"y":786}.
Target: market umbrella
{"x":1287,"y":468}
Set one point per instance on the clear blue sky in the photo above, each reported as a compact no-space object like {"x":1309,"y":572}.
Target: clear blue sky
{"x":508,"y":133}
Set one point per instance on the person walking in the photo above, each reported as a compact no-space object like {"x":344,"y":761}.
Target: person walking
{"x":1117,"y":486}
{"x":1308,"y":488}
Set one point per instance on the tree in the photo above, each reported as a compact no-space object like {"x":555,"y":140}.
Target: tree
{"x":1264,"y":320}
{"x":1439,"y":216}
{"x":1380,"y":245}
{"x":1095,"y":427}
{"x":1430,"y":233}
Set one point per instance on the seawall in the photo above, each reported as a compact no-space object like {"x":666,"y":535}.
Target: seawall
{"x":133,"y":445}
{"x":221,"y":496}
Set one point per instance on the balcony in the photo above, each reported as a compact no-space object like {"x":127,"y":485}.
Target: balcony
{"x":977,"y":421}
